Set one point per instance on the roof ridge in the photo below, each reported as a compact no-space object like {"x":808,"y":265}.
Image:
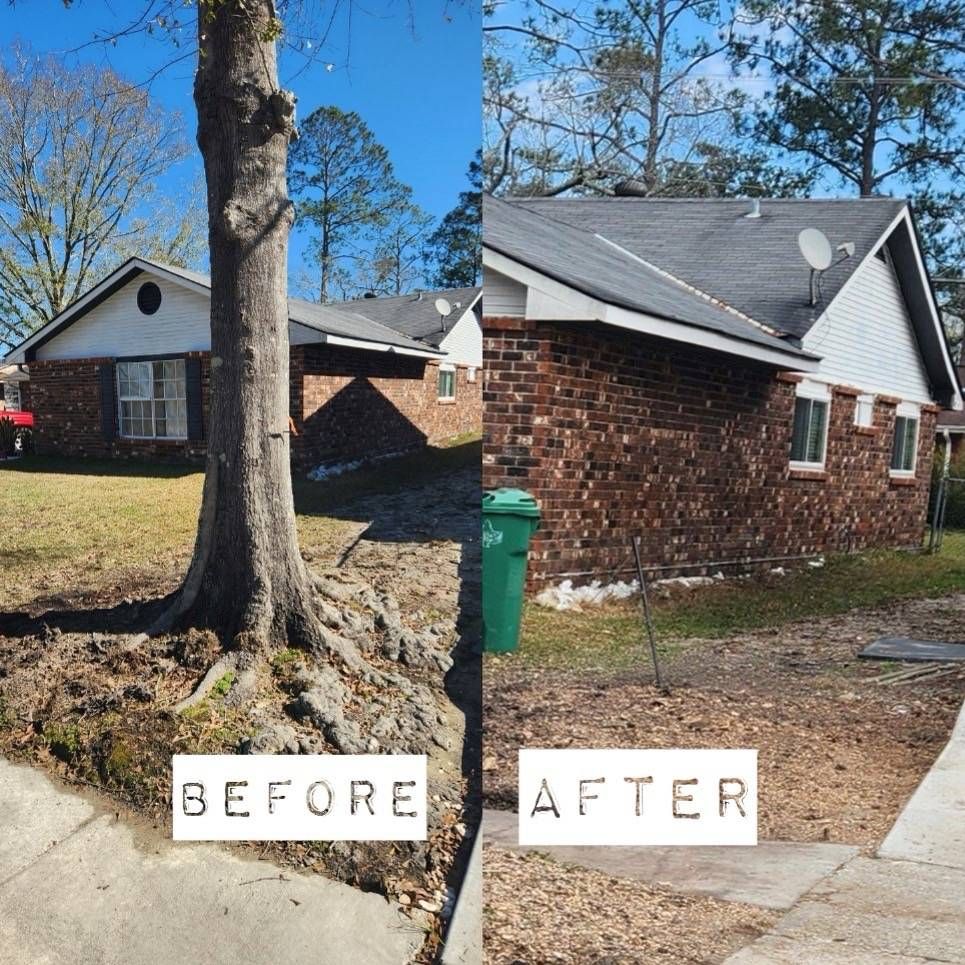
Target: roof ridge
{"x":585,"y":199}
{"x":364,"y":318}
{"x":693,"y":289}
{"x":410,"y":295}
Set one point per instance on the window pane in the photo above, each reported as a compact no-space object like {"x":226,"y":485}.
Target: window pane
{"x":898,"y":445}
{"x":802,"y":414}
{"x":447,"y":384}
{"x":911,"y":434}
{"x":816,"y":431}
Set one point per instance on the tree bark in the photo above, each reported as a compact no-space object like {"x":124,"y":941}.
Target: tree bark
{"x":247,"y":580}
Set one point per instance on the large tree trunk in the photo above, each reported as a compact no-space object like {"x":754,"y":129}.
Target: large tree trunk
{"x":247,"y":580}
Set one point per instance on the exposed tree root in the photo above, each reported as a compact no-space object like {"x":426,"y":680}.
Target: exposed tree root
{"x":355,"y":705}
{"x":217,"y":670}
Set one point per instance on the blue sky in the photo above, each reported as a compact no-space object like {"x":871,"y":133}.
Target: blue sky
{"x":416,"y":84}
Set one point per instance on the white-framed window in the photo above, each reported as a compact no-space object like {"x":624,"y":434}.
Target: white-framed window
{"x":447,"y":383}
{"x":864,"y":411}
{"x":152,"y":400}
{"x":471,"y":373}
{"x":809,"y":439}
{"x":904,"y":447}
{"x":11,"y":396}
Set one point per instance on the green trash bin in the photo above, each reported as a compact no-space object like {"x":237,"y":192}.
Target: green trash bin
{"x":509,"y":519}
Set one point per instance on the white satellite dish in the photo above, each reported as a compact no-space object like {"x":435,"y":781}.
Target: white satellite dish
{"x":816,"y":248}
{"x":443,"y":307}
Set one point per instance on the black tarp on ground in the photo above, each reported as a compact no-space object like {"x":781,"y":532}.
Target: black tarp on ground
{"x":902,"y":648}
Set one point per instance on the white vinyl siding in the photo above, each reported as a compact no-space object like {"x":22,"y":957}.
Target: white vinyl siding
{"x":502,"y":297}
{"x":463,"y":344}
{"x":865,"y":337}
{"x":117,"y":327}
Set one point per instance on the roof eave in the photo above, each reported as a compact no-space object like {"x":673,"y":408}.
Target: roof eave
{"x":593,"y":308}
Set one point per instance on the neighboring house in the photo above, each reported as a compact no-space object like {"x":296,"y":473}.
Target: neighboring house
{"x":124,"y":371}
{"x":14,"y":389}
{"x":656,"y":368}
{"x":951,"y":426}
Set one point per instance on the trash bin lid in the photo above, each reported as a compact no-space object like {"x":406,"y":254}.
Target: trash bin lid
{"x":513,"y":502}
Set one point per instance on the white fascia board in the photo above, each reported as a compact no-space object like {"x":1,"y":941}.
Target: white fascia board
{"x":545,"y":297}
{"x":378,"y":346}
{"x":958,"y":403}
{"x":905,"y":216}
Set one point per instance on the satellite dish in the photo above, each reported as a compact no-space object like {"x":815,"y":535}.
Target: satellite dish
{"x":816,"y":248}
{"x":443,"y":307}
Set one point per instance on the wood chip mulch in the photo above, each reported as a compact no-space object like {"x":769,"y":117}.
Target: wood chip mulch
{"x":539,"y":911}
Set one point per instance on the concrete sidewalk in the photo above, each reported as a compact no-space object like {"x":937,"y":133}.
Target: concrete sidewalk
{"x":903,"y":907}
{"x":79,"y":887}
{"x":773,"y":874}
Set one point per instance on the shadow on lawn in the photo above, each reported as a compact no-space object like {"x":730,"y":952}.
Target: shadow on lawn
{"x":77,"y":466}
{"x":125,"y":617}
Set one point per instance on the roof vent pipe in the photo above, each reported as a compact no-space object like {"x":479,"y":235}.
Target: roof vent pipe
{"x":755,"y":211}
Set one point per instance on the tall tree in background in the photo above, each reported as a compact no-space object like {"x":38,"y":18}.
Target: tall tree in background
{"x":848,"y":97}
{"x":595,"y":93}
{"x":454,"y":249}
{"x":868,"y":94}
{"x":344,"y":186}
{"x":80,"y":152}
{"x":397,"y":261}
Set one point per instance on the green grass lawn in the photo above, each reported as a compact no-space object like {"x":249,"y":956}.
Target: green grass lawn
{"x":611,"y":635}
{"x":73,"y":524}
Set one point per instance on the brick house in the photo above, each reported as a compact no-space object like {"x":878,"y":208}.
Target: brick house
{"x":124,"y":371}
{"x":14,"y":389}
{"x":675,"y":370}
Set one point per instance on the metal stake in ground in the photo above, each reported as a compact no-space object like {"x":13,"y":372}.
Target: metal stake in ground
{"x":647,"y":617}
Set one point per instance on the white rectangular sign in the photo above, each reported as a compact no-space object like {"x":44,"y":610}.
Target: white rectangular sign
{"x":637,"y":797}
{"x":299,"y":797}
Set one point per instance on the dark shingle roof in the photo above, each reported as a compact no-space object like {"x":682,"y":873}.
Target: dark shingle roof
{"x":340,"y":320}
{"x":336,"y":320}
{"x":751,"y":264}
{"x":577,"y":257}
{"x":415,"y":314}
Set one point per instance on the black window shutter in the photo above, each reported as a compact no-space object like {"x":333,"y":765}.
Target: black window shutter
{"x":108,"y":401}
{"x":192,"y":388}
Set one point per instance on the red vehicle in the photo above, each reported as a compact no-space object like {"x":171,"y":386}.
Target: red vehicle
{"x":20,"y":419}
{"x":24,"y":422}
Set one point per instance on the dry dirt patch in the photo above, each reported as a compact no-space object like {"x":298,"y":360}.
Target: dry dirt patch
{"x":839,"y":756}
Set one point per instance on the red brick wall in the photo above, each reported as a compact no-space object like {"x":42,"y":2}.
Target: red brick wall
{"x":346,"y":403}
{"x":349,"y":403}
{"x":65,"y":396}
{"x":617,"y":434}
